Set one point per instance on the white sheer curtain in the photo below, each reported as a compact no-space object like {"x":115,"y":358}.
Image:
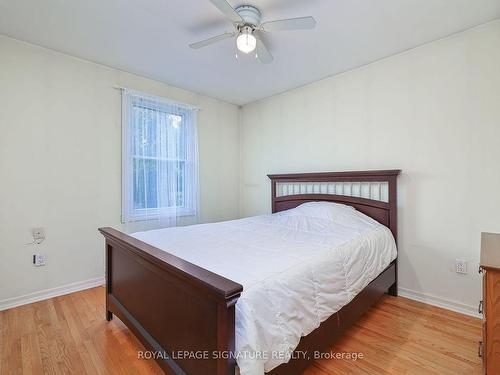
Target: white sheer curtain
{"x":160,"y":160}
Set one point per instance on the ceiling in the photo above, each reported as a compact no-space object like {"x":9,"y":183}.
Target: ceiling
{"x":151,"y":37}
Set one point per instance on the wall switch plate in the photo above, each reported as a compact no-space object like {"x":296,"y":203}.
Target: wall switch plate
{"x":39,"y":260}
{"x":460,"y":266}
{"x":38,"y":235}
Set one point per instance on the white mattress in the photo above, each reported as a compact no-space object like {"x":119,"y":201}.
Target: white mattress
{"x":297,"y":268}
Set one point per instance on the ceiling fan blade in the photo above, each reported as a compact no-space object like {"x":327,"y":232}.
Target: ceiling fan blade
{"x":302,"y":23}
{"x":263,"y":53}
{"x":228,"y":10}
{"x":212,"y":40}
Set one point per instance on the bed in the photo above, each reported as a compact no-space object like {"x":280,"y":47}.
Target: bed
{"x":184,"y":308}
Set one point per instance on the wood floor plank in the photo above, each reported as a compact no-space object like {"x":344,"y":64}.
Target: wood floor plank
{"x":69,"y":335}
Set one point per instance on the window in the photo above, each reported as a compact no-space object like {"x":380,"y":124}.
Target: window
{"x":159,"y":158}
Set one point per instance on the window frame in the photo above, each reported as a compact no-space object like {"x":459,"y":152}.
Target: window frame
{"x":129,"y":213}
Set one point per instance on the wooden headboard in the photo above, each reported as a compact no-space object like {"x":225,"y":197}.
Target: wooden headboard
{"x":373,"y":193}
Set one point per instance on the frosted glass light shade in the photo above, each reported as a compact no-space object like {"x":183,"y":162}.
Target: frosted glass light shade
{"x":246,"y":42}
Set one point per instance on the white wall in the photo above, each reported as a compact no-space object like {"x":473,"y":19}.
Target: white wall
{"x":434,"y":112}
{"x":60,"y":162}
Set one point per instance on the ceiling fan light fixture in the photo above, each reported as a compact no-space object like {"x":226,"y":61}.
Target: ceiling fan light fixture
{"x":247,"y":23}
{"x":246,"y":41}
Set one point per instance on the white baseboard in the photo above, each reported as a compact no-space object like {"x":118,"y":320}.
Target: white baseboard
{"x":50,"y":293}
{"x":92,"y":283}
{"x":439,"y":302}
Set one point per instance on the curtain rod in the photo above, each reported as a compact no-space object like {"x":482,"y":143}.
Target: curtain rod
{"x":190,"y":106}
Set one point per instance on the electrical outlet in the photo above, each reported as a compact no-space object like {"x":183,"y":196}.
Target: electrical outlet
{"x":460,"y":266}
{"x":39,"y":260}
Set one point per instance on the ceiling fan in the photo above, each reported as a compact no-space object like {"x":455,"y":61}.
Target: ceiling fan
{"x":249,"y":28}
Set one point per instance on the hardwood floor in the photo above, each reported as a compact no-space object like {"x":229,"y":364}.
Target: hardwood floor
{"x":69,"y":335}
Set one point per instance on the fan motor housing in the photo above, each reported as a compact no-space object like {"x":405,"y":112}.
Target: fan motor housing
{"x":250,"y":14}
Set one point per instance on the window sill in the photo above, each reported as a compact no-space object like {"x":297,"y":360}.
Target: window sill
{"x":144,"y":218}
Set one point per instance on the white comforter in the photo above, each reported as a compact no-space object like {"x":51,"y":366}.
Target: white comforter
{"x":297,"y":268}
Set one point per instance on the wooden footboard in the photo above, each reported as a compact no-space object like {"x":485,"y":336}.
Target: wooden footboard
{"x":175,"y":308}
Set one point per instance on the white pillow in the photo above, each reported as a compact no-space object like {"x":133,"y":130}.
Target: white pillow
{"x":321,"y":210}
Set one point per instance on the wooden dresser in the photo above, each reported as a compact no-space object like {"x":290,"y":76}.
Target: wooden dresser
{"x":489,"y":348}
